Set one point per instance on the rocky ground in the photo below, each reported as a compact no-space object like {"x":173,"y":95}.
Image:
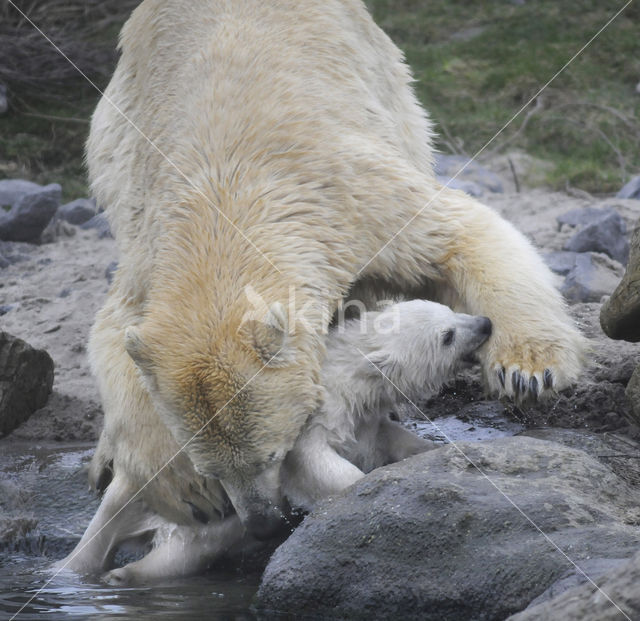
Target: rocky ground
{"x":55,"y":266}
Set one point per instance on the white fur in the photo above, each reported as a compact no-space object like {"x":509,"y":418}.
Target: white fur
{"x":372,"y":364}
{"x":288,"y":150}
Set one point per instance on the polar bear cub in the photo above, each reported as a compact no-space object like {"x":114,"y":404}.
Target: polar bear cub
{"x":405,"y":352}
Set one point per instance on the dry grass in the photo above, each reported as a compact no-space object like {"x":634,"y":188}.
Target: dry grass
{"x":31,"y":68}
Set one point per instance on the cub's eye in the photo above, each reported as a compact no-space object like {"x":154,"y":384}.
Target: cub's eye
{"x":448,"y":337}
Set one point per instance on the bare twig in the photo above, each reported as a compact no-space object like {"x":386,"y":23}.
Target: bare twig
{"x":52,"y":117}
{"x":515,"y":176}
{"x":622,"y":162}
{"x":453,"y":144}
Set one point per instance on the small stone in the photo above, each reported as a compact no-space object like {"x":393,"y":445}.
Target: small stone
{"x":592,"y":277}
{"x":584,"y":215}
{"x":110,"y":271}
{"x":469,"y":187}
{"x":630,"y":189}
{"x":29,"y":216}
{"x":466,"y":170}
{"x":65,"y":293}
{"x":100,"y":224}
{"x":78,"y":211}
{"x":5,"y":308}
{"x":606,"y":235}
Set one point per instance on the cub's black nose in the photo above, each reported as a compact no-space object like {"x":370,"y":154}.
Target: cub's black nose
{"x":486,"y":327}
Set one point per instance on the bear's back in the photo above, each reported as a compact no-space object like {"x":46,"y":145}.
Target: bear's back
{"x":207,"y":80}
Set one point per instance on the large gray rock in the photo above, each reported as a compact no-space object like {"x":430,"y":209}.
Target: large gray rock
{"x":26,"y":379}
{"x":433,"y":537}
{"x":591,"y":277}
{"x":607,"y":234}
{"x":11,"y":190}
{"x":630,"y":189}
{"x":615,"y":597}
{"x":79,"y":211}
{"x":30,"y":214}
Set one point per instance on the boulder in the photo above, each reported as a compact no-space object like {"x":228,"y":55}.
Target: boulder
{"x":607,"y":234}
{"x":455,"y":533}
{"x":26,"y":379}
{"x":630,"y":189}
{"x":615,"y":597}
{"x":78,"y":211}
{"x":620,"y":314}
{"x":30,"y":214}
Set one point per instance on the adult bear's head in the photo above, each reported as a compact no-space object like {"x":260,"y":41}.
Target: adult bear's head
{"x":235,"y":393}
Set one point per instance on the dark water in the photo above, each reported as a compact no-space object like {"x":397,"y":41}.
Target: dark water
{"x":48,"y":483}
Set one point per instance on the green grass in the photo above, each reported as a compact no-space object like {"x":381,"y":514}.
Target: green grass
{"x":476,"y":64}
{"x":45,"y":150}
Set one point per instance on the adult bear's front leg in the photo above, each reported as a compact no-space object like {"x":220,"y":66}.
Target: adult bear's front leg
{"x":456,"y":242}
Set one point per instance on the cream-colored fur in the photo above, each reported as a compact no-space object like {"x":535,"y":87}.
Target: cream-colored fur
{"x":408,"y":350}
{"x":275,"y":146}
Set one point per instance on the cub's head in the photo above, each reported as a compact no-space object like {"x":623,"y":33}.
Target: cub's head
{"x":418,"y":344}
{"x":234,"y":395}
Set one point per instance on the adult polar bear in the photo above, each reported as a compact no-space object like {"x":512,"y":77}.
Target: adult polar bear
{"x":275,"y":145}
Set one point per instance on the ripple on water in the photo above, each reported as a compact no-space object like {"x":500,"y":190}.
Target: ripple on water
{"x":49,"y":483}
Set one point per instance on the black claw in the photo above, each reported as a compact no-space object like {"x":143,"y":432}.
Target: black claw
{"x":501,"y":376}
{"x":547,"y":378}
{"x":519,"y":384}
{"x":522,"y":385}
{"x":533,"y":387}
{"x":515,"y":383}
{"x":198,"y":514}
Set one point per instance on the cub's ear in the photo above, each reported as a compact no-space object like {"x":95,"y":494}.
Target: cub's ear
{"x":269,"y":336}
{"x":138,"y":350}
{"x":381,"y":363}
